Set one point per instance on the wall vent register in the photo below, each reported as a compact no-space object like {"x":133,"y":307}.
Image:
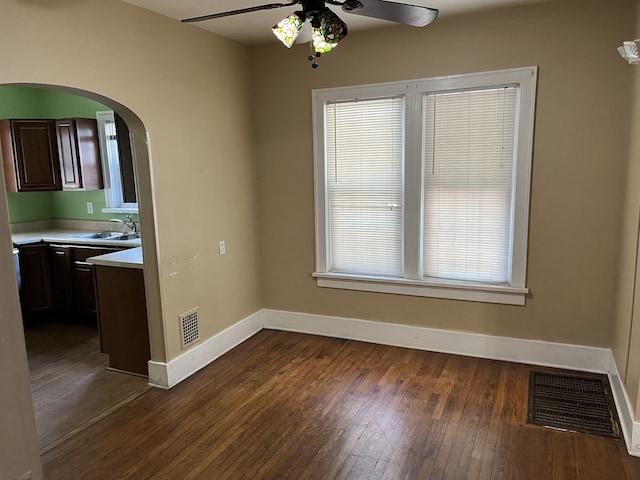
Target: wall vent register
{"x":189,"y":327}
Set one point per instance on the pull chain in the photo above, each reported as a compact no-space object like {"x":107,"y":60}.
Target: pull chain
{"x":314,"y":55}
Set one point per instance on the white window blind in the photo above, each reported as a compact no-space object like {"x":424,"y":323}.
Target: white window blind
{"x":468,"y":182}
{"x":364,"y":148}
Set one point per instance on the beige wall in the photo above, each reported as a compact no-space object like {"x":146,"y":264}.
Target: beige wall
{"x":190,"y":90}
{"x":626,"y":344}
{"x":579,"y":163}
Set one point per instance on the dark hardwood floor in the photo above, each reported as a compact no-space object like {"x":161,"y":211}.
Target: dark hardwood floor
{"x":293,"y":406}
{"x":70,"y":385}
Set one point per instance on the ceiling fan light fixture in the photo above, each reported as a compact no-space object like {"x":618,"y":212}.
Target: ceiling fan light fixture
{"x":320,"y":44}
{"x":629,"y":51}
{"x":288,"y":29}
{"x":327,"y":30}
{"x":333,"y":28}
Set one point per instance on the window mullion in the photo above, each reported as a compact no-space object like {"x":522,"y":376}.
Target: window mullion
{"x":320,"y":190}
{"x":413,"y":166}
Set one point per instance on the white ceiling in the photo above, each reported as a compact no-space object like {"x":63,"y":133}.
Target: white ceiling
{"x":255,"y":28}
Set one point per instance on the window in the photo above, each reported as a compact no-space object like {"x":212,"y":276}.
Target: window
{"x":422,"y":187}
{"x":117,"y":159}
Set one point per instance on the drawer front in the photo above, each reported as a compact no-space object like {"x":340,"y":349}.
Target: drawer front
{"x":80,"y":254}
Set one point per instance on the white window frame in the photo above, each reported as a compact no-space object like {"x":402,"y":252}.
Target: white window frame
{"x":514,"y":293}
{"x":111,"y":171}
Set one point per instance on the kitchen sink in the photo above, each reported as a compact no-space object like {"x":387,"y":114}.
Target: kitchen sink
{"x":101,"y":235}
{"x":128,"y":236}
{"x":110,"y":236}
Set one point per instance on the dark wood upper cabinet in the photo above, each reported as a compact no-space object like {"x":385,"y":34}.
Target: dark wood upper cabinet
{"x":79,"y":154}
{"x":30,"y":155}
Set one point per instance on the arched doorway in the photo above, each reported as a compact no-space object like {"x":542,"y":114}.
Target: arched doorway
{"x":138,"y":135}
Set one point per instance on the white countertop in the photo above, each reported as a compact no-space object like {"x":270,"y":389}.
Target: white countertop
{"x":130,"y":258}
{"x":68,"y":236}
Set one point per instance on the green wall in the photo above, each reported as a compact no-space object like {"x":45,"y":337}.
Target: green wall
{"x":25,"y":102}
{"x":73,"y":205}
{"x":63,"y":105}
{"x":19,"y":102}
{"x":31,"y":206}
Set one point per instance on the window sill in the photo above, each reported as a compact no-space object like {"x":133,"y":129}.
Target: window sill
{"x":120,"y":210}
{"x":436,"y":289}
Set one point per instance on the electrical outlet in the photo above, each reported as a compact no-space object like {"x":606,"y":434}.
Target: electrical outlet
{"x":90,"y":208}
{"x":221,"y":247}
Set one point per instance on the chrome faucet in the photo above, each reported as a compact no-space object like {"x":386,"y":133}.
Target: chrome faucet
{"x":128,"y":224}
{"x":131,"y":223}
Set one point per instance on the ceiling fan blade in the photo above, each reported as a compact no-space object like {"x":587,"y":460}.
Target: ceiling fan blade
{"x":414,"y":15}
{"x":267,"y":6}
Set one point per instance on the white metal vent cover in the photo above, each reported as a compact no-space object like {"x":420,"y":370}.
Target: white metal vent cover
{"x":189,"y":327}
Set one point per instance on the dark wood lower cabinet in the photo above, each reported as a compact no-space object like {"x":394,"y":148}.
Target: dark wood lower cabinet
{"x":122,"y":318}
{"x":36,"y":294}
{"x":58,"y":282}
{"x":82,"y":278}
{"x":84,"y":299}
{"x":60,"y":258}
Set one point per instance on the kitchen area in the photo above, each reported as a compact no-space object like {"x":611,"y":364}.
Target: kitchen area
{"x":77,"y":253}
{"x":65,"y":276}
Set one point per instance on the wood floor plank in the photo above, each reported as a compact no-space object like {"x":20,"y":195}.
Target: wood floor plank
{"x":292,"y":406}
{"x":70,"y":384}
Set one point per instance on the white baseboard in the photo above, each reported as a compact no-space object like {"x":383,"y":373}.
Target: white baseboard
{"x":169,"y":374}
{"x":534,"y":352}
{"x":630,"y":428}
{"x":573,"y":357}
{"x":633,"y":446}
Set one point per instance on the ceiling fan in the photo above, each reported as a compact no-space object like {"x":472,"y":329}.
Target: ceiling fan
{"x":327,"y":29}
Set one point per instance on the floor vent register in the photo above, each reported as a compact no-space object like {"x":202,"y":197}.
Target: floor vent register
{"x":575,"y":403}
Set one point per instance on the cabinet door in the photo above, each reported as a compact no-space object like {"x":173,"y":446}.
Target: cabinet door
{"x":35,"y":292}
{"x":68,"y":154}
{"x":84,"y":295}
{"x":60,"y":258}
{"x":82,"y":277}
{"x":122,"y":318}
{"x":89,"y":153}
{"x":36,"y":155}
{"x":79,"y":154}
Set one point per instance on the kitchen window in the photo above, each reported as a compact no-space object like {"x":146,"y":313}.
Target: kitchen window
{"x":422,"y":187}
{"x":117,"y":163}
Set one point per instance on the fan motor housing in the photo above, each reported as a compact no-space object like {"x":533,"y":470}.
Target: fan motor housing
{"x":351,"y":5}
{"x":312,"y":6}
